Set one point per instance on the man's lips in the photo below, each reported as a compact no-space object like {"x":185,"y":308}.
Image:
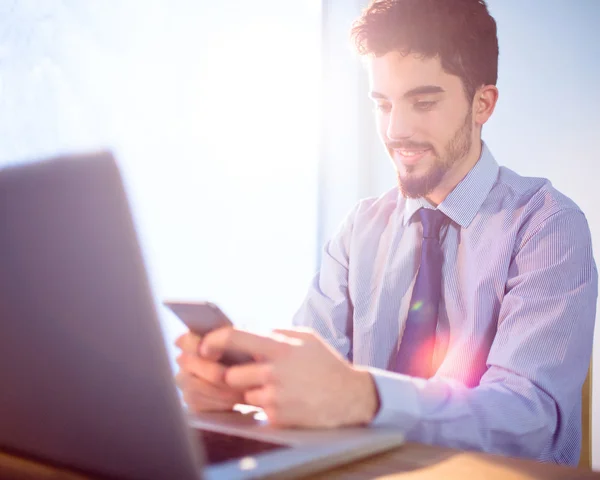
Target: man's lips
{"x":410,"y":156}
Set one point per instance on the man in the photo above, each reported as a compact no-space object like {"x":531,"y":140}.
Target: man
{"x":461,"y":307}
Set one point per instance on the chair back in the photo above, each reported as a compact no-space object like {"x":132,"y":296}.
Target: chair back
{"x":585,"y":459}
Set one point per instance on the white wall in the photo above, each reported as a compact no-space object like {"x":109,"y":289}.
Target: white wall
{"x":547,"y":122}
{"x":548,"y":117}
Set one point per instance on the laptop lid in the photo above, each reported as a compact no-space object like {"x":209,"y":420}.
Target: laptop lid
{"x":83,"y":365}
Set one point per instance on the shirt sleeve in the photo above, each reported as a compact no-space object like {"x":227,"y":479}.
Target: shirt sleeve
{"x":327,"y":308}
{"x":536,"y":365}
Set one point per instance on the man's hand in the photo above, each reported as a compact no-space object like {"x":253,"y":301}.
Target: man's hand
{"x":298,"y":380}
{"x":202,"y":380}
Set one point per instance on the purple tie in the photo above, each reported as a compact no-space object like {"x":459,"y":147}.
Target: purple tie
{"x":416,"y":347}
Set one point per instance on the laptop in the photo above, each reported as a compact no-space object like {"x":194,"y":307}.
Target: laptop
{"x":86,"y":382}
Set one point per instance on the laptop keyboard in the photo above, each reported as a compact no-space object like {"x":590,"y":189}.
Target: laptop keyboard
{"x":220,"y":447}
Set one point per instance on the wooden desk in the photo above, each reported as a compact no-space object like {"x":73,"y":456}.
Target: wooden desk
{"x":423,"y":462}
{"x":409,"y":462}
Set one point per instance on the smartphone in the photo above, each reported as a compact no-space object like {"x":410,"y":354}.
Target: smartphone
{"x":203,"y":317}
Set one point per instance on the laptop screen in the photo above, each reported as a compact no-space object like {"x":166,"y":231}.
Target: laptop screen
{"x":86,"y":381}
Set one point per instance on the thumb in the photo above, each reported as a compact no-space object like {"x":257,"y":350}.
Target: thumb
{"x":300,"y":333}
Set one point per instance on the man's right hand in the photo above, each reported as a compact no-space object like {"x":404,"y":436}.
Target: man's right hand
{"x":202,"y":380}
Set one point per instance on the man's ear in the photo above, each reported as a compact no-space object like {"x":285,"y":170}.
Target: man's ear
{"x":484,"y":103}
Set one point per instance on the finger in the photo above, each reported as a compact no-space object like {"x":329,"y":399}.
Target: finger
{"x":218,"y":341}
{"x":305,"y":336}
{"x":260,"y":397}
{"x":250,"y":376}
{"x":191,"y":385}
{"x":208,"y":370}
{"x":198,"y":398}
{"x":189,"y":343}
{"x":180,"y":379}
{"x":198,"y":403}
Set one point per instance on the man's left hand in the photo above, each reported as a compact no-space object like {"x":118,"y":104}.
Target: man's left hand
{"x":298,"y":380}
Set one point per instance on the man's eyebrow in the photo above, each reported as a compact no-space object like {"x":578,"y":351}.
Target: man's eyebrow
{"x":424,"y":90}
{"x":421,"y":90}
{"x":377,"y":96}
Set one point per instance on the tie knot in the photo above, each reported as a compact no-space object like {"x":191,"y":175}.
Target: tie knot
{"x":432,"y":221}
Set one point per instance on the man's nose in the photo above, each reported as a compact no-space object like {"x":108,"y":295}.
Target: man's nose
{"x":400,"y":125}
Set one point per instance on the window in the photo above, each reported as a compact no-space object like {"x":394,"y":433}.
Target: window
{"x":211,"y":109}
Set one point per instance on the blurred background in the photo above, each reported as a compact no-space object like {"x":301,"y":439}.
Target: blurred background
{"x":245,"y":134}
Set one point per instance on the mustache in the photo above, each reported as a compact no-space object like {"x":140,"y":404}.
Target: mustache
{"x":408,"y":145}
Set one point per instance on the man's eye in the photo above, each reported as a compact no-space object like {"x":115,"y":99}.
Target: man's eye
{"x":383,"y":107}
{"x":424,"y":105}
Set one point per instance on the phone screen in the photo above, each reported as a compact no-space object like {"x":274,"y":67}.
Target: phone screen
{"x":199,"y":317}
{"x":203,"y":317}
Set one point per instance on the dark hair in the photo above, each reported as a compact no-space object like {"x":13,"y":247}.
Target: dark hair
{"x":461,"y":32}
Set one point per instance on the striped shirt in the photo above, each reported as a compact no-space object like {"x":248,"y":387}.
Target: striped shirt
{"x":516,"y":317}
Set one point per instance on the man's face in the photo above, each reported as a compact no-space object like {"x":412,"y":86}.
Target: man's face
{"x":423,"y":118}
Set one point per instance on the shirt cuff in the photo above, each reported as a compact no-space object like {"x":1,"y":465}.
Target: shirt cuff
{"x":399,"y":404}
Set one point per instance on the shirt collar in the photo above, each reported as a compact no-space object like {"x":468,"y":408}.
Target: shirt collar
{"x":462,"y":204}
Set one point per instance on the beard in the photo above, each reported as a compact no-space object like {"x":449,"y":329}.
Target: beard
{"x":459,"y":146}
